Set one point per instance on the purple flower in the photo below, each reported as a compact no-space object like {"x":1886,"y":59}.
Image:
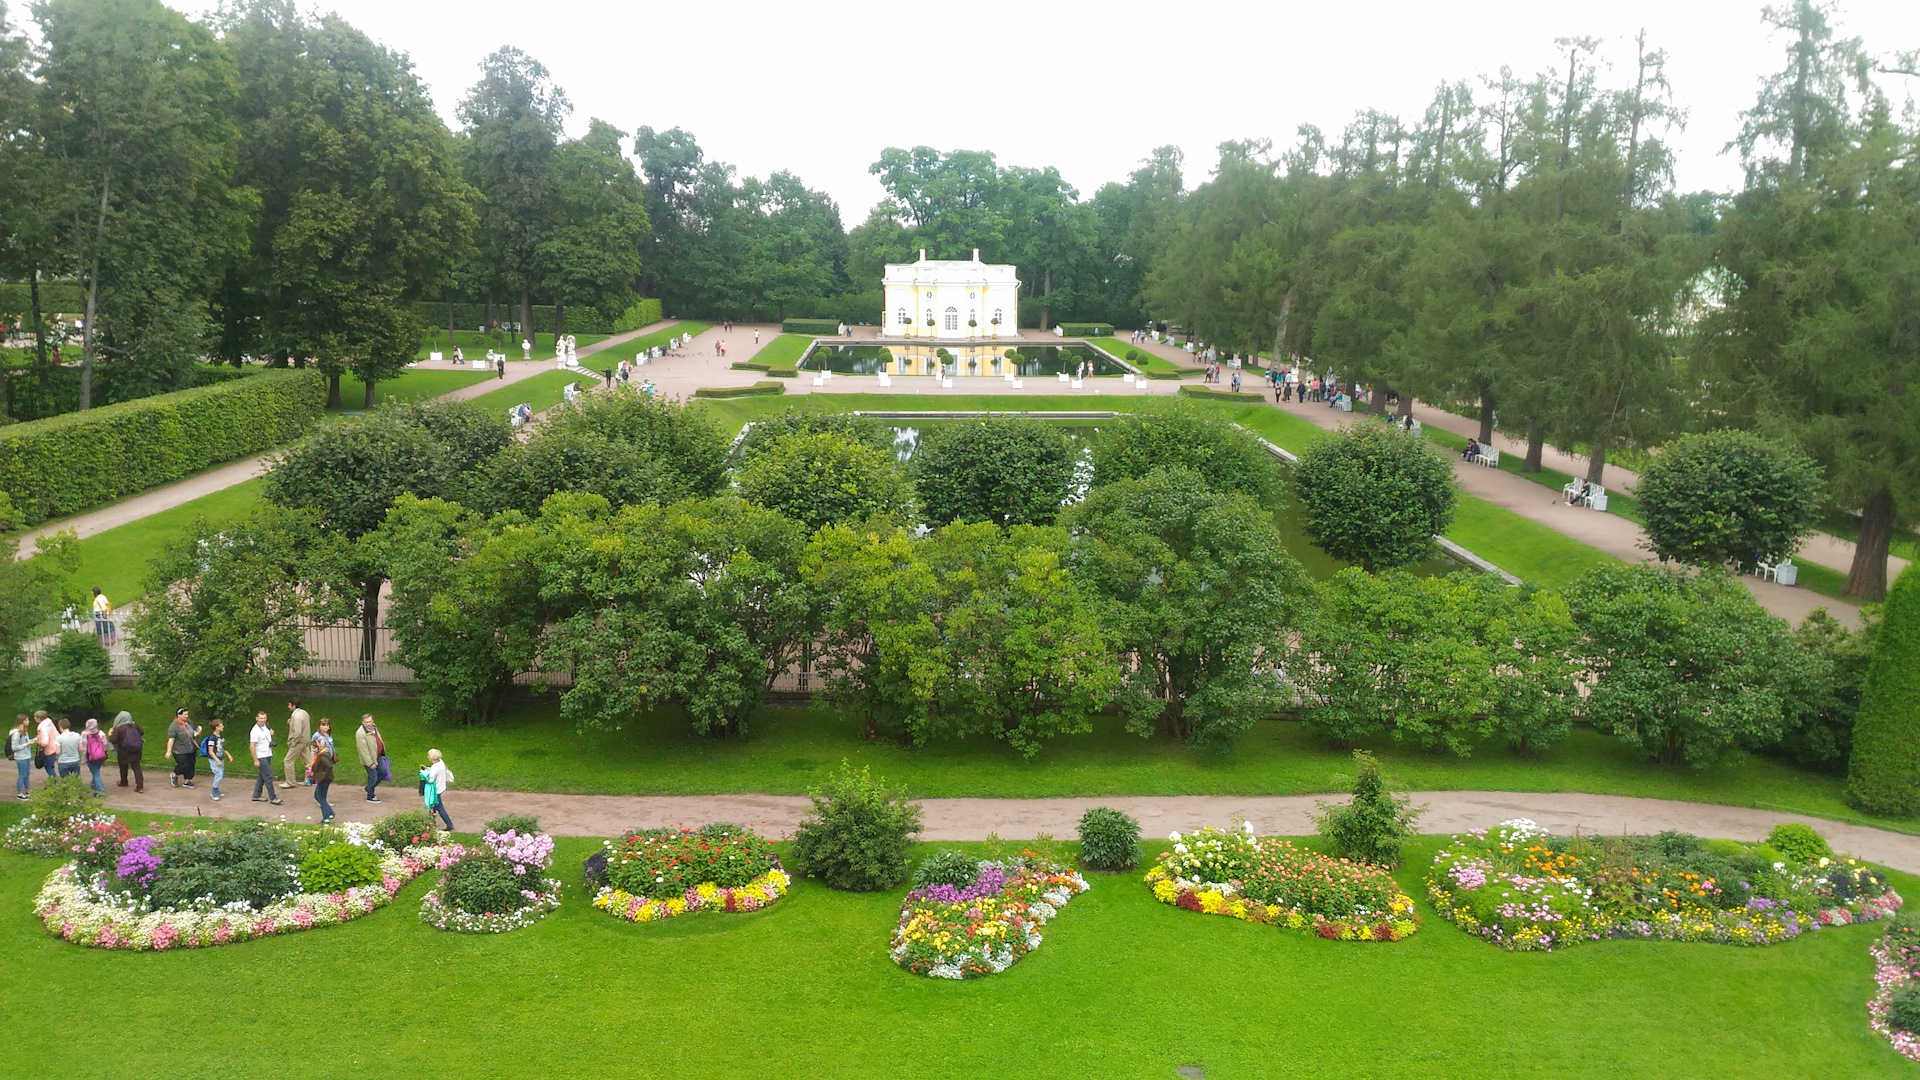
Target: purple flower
{"x":138,"y":861}
{"x":992,"y":878}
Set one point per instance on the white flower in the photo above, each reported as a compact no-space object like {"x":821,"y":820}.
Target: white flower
{"x":1174,"y":836}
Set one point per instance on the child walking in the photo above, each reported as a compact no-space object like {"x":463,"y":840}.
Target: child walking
{"x":215,"y":748}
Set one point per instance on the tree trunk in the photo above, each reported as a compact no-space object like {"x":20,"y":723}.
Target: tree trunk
{"x":1597,"y":463}
{"x":1280,"y":327}
{"x":559,"y":322}
{"x":39,"y":321}
{"x":1486,"y":414}
{"x":369,"y":401}
{"x":1867,"y":579}
{"x":1406,"y":405}
{"x":526,"y":317}
{"x":369,"y":624}
{"x":1378,"y":402}
{"x":1046,"y":303}
{"x":1536,"y":446}
{"x":333,"y":390}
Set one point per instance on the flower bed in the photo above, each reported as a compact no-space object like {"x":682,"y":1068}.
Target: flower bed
{"x":1525,"y":889}
{"x":1270,"y":881}
{"x":1894,"y":1009}
{"x":495,"y":887}
{"x":984,"y":927}
{"x":91,"y":902}
{"x":51,"y":839}
{"x":651,"y":874}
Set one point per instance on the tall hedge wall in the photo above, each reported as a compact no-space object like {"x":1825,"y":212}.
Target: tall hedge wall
{"x":810,"y":326}
{"x":1087,"y":329}
{"x":1884,"y":775}
{"x":580,"y":319}
{"x":56,"y":298}
{"x":65,"y":464}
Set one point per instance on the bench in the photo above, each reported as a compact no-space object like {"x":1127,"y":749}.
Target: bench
{"x":1486,"y":456}
{"x":570,"y":391}
{"x":1596,"y":498}
{"x":1783,"y":572}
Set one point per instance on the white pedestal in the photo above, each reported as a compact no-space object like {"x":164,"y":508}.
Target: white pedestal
{"x":1076,"y":384}
{"x":1127,"y":378}
{"x":818,"y":381}
{"x":1019,"y":384}
{"x":436,"y":355}
{"x":946,"y":384}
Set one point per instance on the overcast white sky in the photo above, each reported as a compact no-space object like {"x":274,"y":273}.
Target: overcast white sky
{"x":1090,"y":87}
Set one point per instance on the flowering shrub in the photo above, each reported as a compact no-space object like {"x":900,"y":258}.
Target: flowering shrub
{"x":51,"y":837}
{"x":1269,"y":880}
{"x":651,"y":874}
{"x":494,"y":888}
{"x":986,"y":926}
{"x":1525,"y":889}
{"x":1894,"y":1009}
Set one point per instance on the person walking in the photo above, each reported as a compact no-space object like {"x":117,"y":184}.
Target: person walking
{"x":323,"y":778}
{"x":260,"y":744}
{"x":69,"y":745}
{"x":323,"y":737}
{"x":102,"y":619}
{"x":434,"y":781}
{"x":183,"y":746}
{"x":94,"y":753}
{"x":217,"y":756}
{"x":372,"y":750}
{"x":299,"y":733}
{"x":21,"y":748}
{"x":128,"y":742}
{"x":46,"y":732}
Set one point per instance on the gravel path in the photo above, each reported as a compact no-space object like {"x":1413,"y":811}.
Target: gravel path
{"x":1023,"y":819}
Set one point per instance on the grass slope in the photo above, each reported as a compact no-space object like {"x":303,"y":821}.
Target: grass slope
{"x":1122,"y":987}
{"x":1151,"y":363}
{"x":542,"y":391}
{"x":628,"y":349}
{"x":116,"y":560}
{"x":783,"y":351}
{"x":475,"y":344}
{"x":416,"y":384}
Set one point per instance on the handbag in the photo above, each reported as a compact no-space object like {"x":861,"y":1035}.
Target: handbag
{"x":386,"y":770}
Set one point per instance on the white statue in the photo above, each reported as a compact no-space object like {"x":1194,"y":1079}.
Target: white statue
{"x":526,"y":349}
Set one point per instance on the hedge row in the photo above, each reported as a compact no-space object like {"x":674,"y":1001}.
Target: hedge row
{"x":1219,"y":395}
{"x":741,"y":391}
{"x":28,"y":393}
{"x":65,"y":464}
{"x":580,"y":320}
{"x":56,"y":298}
{"x":1086,"y":329}
{"x":810,"y":326}
{"x":638,"y":314}
{"x":750,"y":365}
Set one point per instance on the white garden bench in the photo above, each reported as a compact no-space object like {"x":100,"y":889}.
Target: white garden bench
{"x":1596,"y":498}
{"x":1783,"y":572}
{"x":1486,"y":456}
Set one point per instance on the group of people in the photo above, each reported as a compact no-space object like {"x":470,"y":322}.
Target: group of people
{"x":40,"y":742}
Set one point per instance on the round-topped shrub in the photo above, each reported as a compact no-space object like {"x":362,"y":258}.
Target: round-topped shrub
{"x":1109,"y":839}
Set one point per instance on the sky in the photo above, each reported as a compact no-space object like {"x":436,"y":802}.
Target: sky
{"x":1090,"y":88}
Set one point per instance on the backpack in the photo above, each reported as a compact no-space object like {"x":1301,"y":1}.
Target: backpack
{"x":95,"y":742}
{"x":206,"y":747}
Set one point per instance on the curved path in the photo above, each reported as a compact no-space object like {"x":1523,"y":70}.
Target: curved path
{"x":1023,"y":819}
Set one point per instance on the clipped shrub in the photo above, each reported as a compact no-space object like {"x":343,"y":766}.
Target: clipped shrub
{"x":1372,"y":826}
{"x":749,"y":365}
{"x":1722,"y":497}
{"x":482,"y":883}
{"x":249,"y":865}
{"x":1109,"y":839}
{"x":65,"y":464}
{"x":520,"y":824}
{"x":1086,"y":329}
{"x":1210,"y":394}
{"x":947,"y":867}
{"x":1373,"y":497}
{"x":810,"y":326}
{"x":72,"y":678}
{"x":1883,"y":776}
{"x":1798,"y":842}
{"x":762,"y":387}
{"x":859,"y":834}
{"x":338,"y":867}
{"x":405,"y":829}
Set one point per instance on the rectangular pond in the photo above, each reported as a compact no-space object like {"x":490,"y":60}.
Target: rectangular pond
{"x":961,"y":360}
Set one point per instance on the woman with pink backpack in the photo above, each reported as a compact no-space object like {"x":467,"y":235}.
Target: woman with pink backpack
{"x":94,"y":750}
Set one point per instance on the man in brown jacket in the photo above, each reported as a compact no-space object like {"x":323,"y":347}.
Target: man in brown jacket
{"x":299,"y":734}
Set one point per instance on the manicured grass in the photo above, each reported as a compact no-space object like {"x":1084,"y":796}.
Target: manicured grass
{"x":783,"y":351}
{"x":1618,"y":502}
{"x":542,"y":391}
{"x":1846,"y":526}
{"x":476,"y":344}
{"x":416,"y":384}
{"x":116,"y":560}
{"x":627,"y":350}
{"x":789,"y":750}
{"x":1520,"y":546}
{"x":1122,"y":986}
{"x":1151,"y":363}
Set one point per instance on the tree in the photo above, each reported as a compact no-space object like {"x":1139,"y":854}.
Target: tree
{"x":1006,"y":470}
{"x":33,"y":591}
{"x":1441,"y":662}
{"x":974,"y":630}
{"x":554,"y":460}
{"x":592,"y":255}
{"x":361,"y":206}
{"x":1198,"y":593}
{"x":513,"y":117}
{"x":1883,"y":776}
{"x":825,"y":478}
{"x":1683,"y":666}
{"x":759,"y":435}
{"x":1375,"y":496}
{"x":1822,"y":252}
{"x":684,"y":438}
{"x":1825,"y":682}
{"x":697,"y":605}
{"x":1370,"y":827}
{"x":224,"y":611}
{"x":72,"y":678}
{"x":1728,"y":497}
{"x":466,"y":609}
{"x":138,"y":105}
{"x":1226,"y":457}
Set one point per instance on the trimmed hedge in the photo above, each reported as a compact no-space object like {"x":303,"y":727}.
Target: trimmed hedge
{"x":750,"y":365}
{"x":638,"y":314}
{"x":1086,"y":329}
{"x":581,"y":319}
{"x":1219,"y":395}
{"x":784,"y":372}
{"x":65,"y":464}
{"x":810,"y":326}
{"x":1884,"y":775}
{"x":56,"y":298}
{"x":741,"y":391}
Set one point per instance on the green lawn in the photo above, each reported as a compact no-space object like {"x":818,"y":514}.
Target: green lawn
{"x":1122,"y":987}
{"x":1846,"y":526}
{"x":789,"y":750}
{"x":783,"y":351}
{"x":542,"y":391}
{"x":415,"y":384}
{"x":1151,"y":363}
{"x":627,"y":350}
{"x":116,"y":560}
{"x":476,"y":344}
{"x":1618,"y":502}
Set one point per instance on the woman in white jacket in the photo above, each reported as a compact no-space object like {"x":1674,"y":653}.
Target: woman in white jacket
{"x":435,"y":779}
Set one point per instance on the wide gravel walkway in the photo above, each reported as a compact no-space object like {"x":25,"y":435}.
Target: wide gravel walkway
{"x":1024,"y":819}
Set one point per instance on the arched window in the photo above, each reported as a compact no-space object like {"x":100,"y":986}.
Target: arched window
{"x":996,"y":316}
{"x":902,"y":316}
{"x":972,"y":318}
{"x":953,"y":318}
{"x":929,"y":316}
